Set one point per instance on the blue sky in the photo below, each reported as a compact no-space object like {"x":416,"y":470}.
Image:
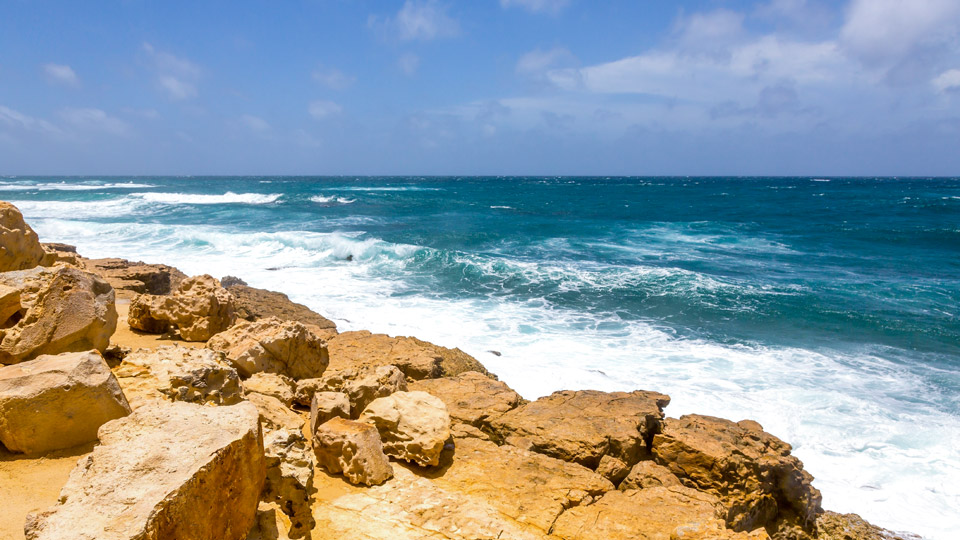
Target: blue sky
{"x":726,"y":87}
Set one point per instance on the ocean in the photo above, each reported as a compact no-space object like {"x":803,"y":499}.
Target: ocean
{"x":827,"y":309}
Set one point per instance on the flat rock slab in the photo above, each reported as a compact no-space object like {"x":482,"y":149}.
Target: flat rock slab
{"x":176,"y":373}
{"x":471,"y":397}
{"x":130,"y":278}
{"x":254,"y":304}
{"x":417,"y":359}
{"x":169,"y":470}
{"x":275,"y":346}
{"x":56,"y":402}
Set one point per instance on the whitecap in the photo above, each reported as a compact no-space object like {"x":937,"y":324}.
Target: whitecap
{"x":503,"y":207}
{"x":331,"y":199}
{"x":193,"y":198}
{"x":66,"y":186}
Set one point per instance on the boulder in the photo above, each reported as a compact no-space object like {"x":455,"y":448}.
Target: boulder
{"x":353,"y":449}
{"x":169,"y":470}
{"x":327,"y":405}
{"x":471,"y":397}
{"x":275,"y":415}
{"x":584,"y":426}
{"x":759,"y":482}
{"x":648,"y":474}
{"x":306,"y":388}
{"x":289,"y":479}
{"x":19,"y":246}
{"x":416,"y":359}
{"x":834,"y":526}
{"x":361,"y":385}
{"x":413,"y":426}
{"x":198,"y":308}
{"x":55,"y":253}
{"x":131,"y":278}
{"x":178,"y":373}
{"x":271,"y":384}
{"x":275,"y":346}
{"x":62,"y":309}
{"x":58,"y":401}
{"x":613,"y":469}
{"x":254,"y":304}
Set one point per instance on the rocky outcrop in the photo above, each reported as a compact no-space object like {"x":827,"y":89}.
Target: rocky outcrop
{"x":274,"y":414}
{"x":416,"y":359}
{"x":56,"y":253}
{"x":584,"y":426}
{"x":327,"y":405}
{"x":613,"y":469}
{"x":130,"y":278}
{"x":413,"y":426}
{"x":834,"y":526}
{"x":271,"y":384}
{"x":178,"y":373}
{"x":471,"y":397}
{"x":169,"y":470}
{"x":275,"y":346}
{"x":62,"y":309}
{"x":19,"y":246}
{"x":254,"y":304}
{"x":364,"y":385}
{"x":759,"y":482}
{"x":198,"y":308}
{"x":353,"y":449}
{"x":648,"y":474}
{"x":289,"y":480}
{"x":56,"y":402}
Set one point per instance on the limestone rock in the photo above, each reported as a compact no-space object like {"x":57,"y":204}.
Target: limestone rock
{"x":274,"y":414}
{"x":416,"y":359}
{"x":362,"y":385}
{"x":178,"y":373}
{"x":55,"y":253}
{"x":62,"y":309}
{"x":198,"y":308}
{"x":19,"y":246}
{"x":254,"y":304}
{"x":327,"y":405}
{"x":760,"y":483}
{"x":413,"y":426}
{"x":612,"y":469}
{"x":169,"y":470}
{"x":834,"y":526}
{"x":58,"y":401}
{"x":306,"y":388}
{"x":130,"y":278}
{"x":289,"y":479}
{"x":648,"y":474}
{"x":353,"y":449}
{"x":271,"y":523}
{"x":271,"y":384}
{"x":471,"y":397}
{"x":275,"y":346}
{"x":584,"y":426}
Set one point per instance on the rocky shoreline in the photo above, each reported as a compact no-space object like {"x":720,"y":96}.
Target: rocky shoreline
{"x":138,"y":402}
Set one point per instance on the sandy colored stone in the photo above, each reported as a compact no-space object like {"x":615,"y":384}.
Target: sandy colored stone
{"x":275,"y":415}
{"x":275,"y":346}
{"x":169,"y":470}
{"x":361,"y":385}
{"x":835,"y":526}
{"x":130,"y":278}
{"x":413,"y":426}
{"x":254,"y":304}
{"x":271,"y":523}
{"x":56,"y":253}
{"x":62,"y":309}
{"x":417,"y":359}
{"x":178,"y":373}
{"x":353,"y":449}
{"x":760,"y":483}
{"x":19,"y":245}
{"x":289,"y":479}
{"x":648,"y":474}
{"x":198,"y":308}
{"x":612,"y":469}
{"x":9,"y":302}
{"x":57,"y":401}
{"x":583,"y":426}
{"x":327,"y":405}
{"x":271,"y":384}
{"x":471,"y":397}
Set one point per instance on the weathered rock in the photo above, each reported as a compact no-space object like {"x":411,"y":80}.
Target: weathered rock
{"x":612,"y":469}
{"x":271,"y":384}
{"x":275,"y":415}
{"x":471,"y":397}
{"x":62,"y":309}
{"x":130,"y":278}
{"x":271,"y":523}
{"x":19,"y":246}
{"x":416,"y":359}
{"x":56,"y":402}
{"x":169,"y":470}
{"x":55,"y":253}
{"x":289,"y":479}
{"x":198,"y":308}
{"x":178,"y":373}
{"x":275,"y":346}
{"x":834,"y":526}
{"x":353,"y":449}
{"x":254,"y":304}
{"x":327,"y":405}
{"x":584,"y":426}
{"x":413,"y":426}
{"x":648,"y":474}
{"x":306,"y":388}
{"x":760,"y":483}
{"x":9,"y":302}
{"x":361,"y":385}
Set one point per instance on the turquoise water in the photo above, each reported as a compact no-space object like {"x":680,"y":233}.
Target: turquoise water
{"x":825,"y":308}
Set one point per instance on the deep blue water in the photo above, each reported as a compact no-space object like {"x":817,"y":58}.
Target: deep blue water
{"x":827,"y":307}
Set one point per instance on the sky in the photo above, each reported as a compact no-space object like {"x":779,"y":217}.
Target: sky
{"x":480,"y":87}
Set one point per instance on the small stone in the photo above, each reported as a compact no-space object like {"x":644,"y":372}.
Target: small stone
{"x":327,"y":405}
{"x":414,"y":426}
{"x":353,"y":449}
{"x":271,"y":384}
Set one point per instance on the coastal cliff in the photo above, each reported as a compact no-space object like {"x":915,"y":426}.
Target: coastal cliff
{"x":205,"y":408}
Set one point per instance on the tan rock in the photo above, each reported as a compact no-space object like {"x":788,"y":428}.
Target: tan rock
{"x":834,"y":526}
{"x":62,"y":309}
{"x":271,"y":523}
{"x":413,"y":426}
{"x":275,"y":415}
{"x":327,"y":405}
{"x":271,"y":384}
{"x":289,"y":479}
{"x":9,"y":302}
{"x":760,"y":483}
{"x":361,"y":385}
{"x":612,"y":469}
{"x":19,"y":246}
{"x":178,"y":373}
{"x":56,"y":253}
{"x":648,"y":474}
{"x":275,"y":346}
{"x":306,"y":388}
{"x":198,"y":308}
{"x":416,"y":359}
{"x":353,"y":449}
{"x":471,"y":397}
{"x":169,"y":470}
{"x":56,"y":402}
{"x":254,"y":304}
{"x":130,"y":278}
{"x":584,"y":426}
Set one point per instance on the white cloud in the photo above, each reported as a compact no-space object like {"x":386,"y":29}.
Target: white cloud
{"x":420,"y":20}
{"x":16,"y":119}
{"x":408,"y":63}
{"x":948,"y":81}
{"x":879,"y":31}
{"x":90,"y":119}
{"x":537,"y":6}
{"x":708,"y":31}
{"x":538,"y":61}
{"x":333,"y":78}
{"x":255,"y":123}
{"x":61,"y":74}
{"x":177,"y":89}
{"x":321,"y":109}
{"x":177,"y":77}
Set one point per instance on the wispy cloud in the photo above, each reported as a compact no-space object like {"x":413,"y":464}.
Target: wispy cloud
{"x":333,"y":78}
{"x":321,"y":109}
{"x":422,"y":20}
{"x":15,"y":119}
{"x":176,"y":77}
{"x":538,"y":61}
{"x":408,"y":63}
{"x":537,"y":6}
{"x":61,"y":74}
{"x":255,"y":123}
{"x":90,"y":119}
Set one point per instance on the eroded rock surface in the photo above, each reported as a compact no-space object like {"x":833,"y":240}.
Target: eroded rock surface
{"x":471,"y":397}
{"x":198,"y":308}
{"x":648,"y":474}
{"x":275,"y":346}
{"x":271,"y":384}
{"x":169,"y":470}
{"x":57,"y":401}
{"x":254,"y":304}
{"x":274,"y":414}
{"x":130,"y":278}
{"x":327,"y":405}
{"x":180,"y":374}
{"x":289,"y":480}
{"x":417,"y":359}
{"x":413,"y":426}
{"x":353,"y":449}
{"x":19,"y":245}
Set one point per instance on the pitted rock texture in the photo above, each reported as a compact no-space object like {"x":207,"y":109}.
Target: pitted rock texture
{"x":413,"y":426}
{"x":199,"y":308}
{"x":254,"y":304}
{"x":19,"y":246}
{"x":289,"y":479}
{"x":417,"y":359}
{"x":275,"y":415}
{"x":130,"y":278}
{"x":327,"y":405}
{"x":353,"y":449}
{"x":271,"y":384}
{"x":179,"y":374}
{"x":275,"y":346}
{"x":471,"y":397}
